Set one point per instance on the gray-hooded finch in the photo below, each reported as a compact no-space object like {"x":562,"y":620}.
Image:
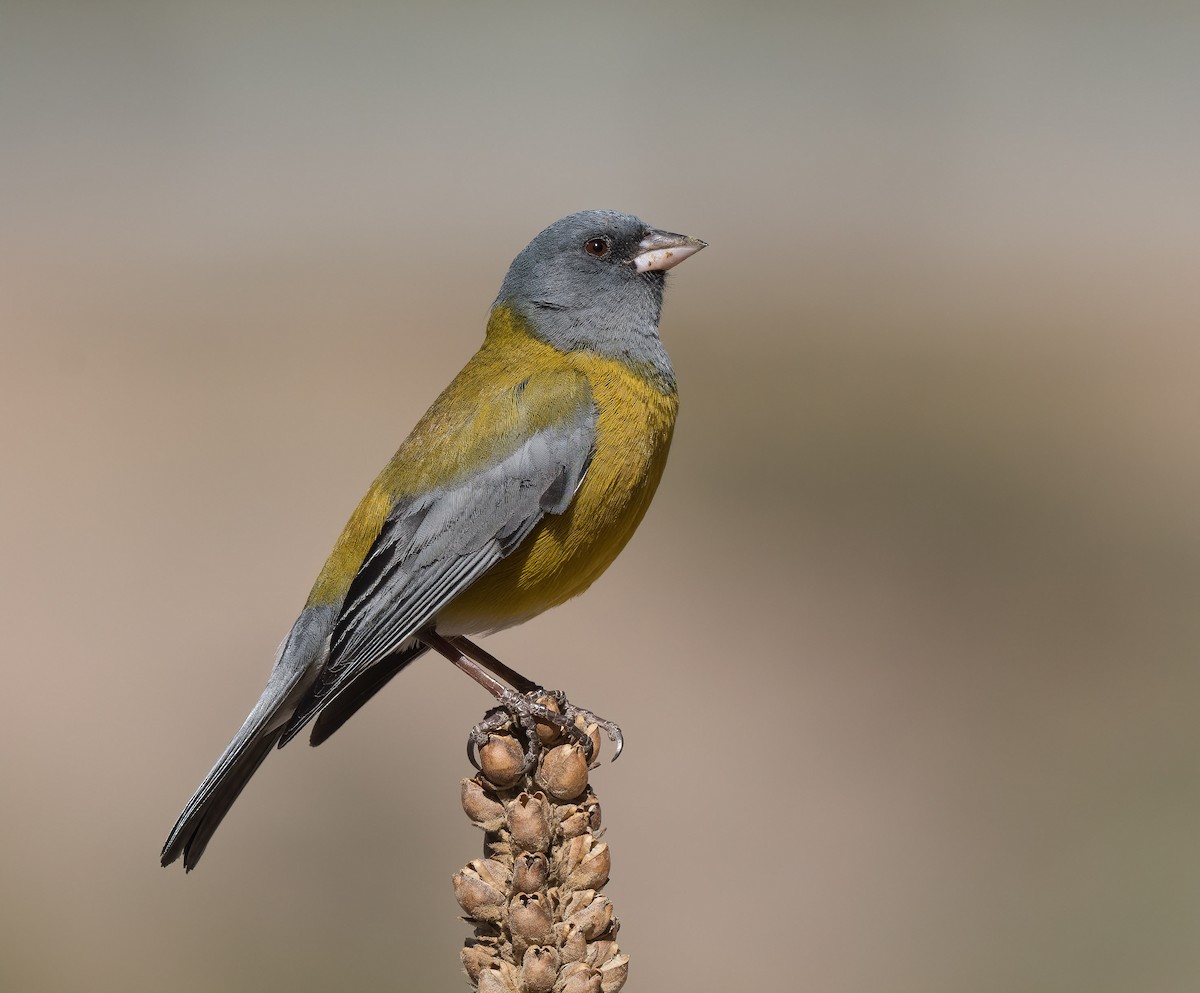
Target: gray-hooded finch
{"x":512,"y":494}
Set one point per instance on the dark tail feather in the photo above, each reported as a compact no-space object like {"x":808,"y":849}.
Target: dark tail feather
{"x":211,"y":803}
{"x":347,"y":703}
{"x":303,"y":652}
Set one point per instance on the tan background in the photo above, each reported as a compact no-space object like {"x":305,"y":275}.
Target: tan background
{"x":906,"y":650}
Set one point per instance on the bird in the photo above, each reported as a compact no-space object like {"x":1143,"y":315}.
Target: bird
{"x":512,"y":494}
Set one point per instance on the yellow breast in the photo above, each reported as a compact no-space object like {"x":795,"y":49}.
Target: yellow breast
{"x":566,"y":553}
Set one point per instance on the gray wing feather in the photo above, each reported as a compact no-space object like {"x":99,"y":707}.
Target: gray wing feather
{"x":433,"y":547}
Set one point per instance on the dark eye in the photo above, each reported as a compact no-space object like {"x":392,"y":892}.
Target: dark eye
{"x":597,"y":247}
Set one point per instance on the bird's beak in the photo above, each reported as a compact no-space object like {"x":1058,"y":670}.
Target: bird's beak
{"x":661,"y":250}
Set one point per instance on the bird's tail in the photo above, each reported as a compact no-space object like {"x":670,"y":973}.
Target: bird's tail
{"x":212,"y":801}
{"x":300,"y":658}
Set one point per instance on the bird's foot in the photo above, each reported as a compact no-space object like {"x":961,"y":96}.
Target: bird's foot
{"x":579,"y":715}
{"x":541,"y":717}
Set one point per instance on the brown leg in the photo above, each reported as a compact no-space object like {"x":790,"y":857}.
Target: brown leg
{"x":518,"y":705}
{"x":471,"y":666}
{"x":518,"y":682}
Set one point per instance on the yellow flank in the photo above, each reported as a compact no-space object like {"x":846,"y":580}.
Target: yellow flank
{"x":513,"y":386}
{"x":351,"y":548}
{"x":566,"y":553}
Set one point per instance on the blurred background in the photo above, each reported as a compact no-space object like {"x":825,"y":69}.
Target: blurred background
{"x":905,"y":651}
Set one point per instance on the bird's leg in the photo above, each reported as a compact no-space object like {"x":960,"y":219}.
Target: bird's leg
{"x":521,"y":705}
{"x":514,"y":679}
{"x":527,"y":686}
{"x":512,"y":704}
{"x":531,"y":689}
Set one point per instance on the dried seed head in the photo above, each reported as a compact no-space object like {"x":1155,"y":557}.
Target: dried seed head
{"x":541,"y":923}
{"x":481,"y":806}
{"x":613,"y":973}
{"x":528,"y":821}
{"x":503,"y":760}
{"x":563,"y":772}
{"x":530,"y":872}
{"x":539,"y":968}
{"x":529,"y":920}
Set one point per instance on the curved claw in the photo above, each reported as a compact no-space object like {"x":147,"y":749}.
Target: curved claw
{"x":618,"y":739}
{"x":523,"y":711}
{"x":566,"y":723}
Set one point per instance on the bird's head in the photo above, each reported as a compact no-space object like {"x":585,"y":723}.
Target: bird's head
{"x":594,"y":280}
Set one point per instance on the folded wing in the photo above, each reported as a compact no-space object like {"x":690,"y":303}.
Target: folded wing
{"x":434,"y":544}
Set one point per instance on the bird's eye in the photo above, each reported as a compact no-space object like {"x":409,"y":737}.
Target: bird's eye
{"x":597,"y":247}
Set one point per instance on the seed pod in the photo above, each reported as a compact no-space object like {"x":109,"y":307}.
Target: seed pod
{"x":573,"y":820}
{"x":563,"y":772}
{"x":529,"y":920}
{"x":594,"y":919}
{"x":548,"y":734}
{"x":494,"y":872}
{"x":530,"y":872}
{"x":501,"y":980}
{"x":503,"y":760}
{"x":477,"y":892}
{"x":613,"y":973}
{"x":528,"y":822}
{"x":575,"y":902}
{"x":584,"y":980}
{"x":592,"y":806}
{"x":592,"y":872}
{"x":476,"y":958}
{"x":593,"y":732}
{"x":539,"y":968}
{"x":484,"y":809}
{"x":600,"y":951}
{"x":574,"y":944}
{"x":570,"y":854}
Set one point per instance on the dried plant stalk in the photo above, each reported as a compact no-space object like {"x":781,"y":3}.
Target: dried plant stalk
{"x":542,"y":924}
